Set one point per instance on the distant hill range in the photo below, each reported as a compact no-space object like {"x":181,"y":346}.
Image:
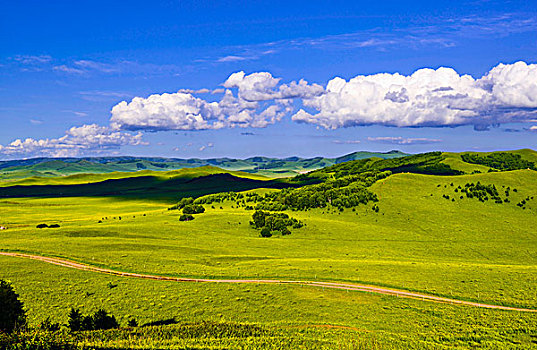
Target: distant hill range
{"x":273,"y":167}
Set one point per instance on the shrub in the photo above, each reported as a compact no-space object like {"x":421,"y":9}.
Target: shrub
{"x":165,"y":322}
{"x":265,"y":232}
{"x":186,"y":217}
{"x":75,"y":319}
{"x":49,"y":326}
{"x":12,"y":314}
{"x":132,"y":323}
{"x":285,"y":231}
{"x":102,"y":320}
{"x":193,"y":209}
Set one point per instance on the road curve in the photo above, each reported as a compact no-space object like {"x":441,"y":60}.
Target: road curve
{"x":331,"y":285}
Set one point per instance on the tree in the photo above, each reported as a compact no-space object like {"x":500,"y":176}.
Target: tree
{"x":12,"y":314}
{"x":258,"y":218}
{"x":75,"y":319}
{"x":265,"y":232}
{"x":102,"y":320}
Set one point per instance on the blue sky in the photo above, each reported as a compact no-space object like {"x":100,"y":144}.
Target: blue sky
{"x":66,"y":65}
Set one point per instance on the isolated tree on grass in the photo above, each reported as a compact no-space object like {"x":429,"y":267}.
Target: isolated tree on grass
{"x":75,"y":320}
{"x":102,"y":320}
{"x":12,"y":314}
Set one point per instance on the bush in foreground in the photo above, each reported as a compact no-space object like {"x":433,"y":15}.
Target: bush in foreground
{"x":12,"y":314}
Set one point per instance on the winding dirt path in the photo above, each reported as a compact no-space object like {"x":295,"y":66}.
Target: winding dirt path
{"x":331,"y":285}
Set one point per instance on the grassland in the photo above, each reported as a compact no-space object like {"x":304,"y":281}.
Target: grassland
{"x":418,"y":241}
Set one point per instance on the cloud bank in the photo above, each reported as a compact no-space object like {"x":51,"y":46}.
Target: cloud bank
{"x":427,"y":98}
{"x":260,"y":100}
{"x":441,"y":97}
{"x":86,"y":139}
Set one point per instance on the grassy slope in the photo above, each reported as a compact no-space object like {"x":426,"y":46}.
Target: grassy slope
{"x":393,"y":322}
{"x":465,"y":249}
{"x":417,"y":241}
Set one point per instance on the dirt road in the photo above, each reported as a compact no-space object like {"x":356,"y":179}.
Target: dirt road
{"x":331,"y":285}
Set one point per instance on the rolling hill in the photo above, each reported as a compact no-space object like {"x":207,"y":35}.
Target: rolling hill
{"x":426,"y":224}
{"x":273,"y":167}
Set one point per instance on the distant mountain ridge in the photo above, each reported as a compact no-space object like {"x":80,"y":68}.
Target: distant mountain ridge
{"x":279,"y":167}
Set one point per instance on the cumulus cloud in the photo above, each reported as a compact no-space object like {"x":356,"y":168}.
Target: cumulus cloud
{"x":262,"y":87}
{"x":77,"y":141}
{"x":260,"y":100}
{"x":402,"y":140}
{"x":428,"y":97}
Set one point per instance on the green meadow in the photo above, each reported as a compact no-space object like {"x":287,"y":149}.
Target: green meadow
{"x":417,"y":240}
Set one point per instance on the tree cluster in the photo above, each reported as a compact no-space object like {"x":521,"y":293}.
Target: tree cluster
{"x":193,"y":209}
{"x":341,"y":191}
{"x":523,"y":202}
{"x":502,"y":161}
{"x":484,"y":192}
{"x":271,"y":223}
{"x":100,"y":319}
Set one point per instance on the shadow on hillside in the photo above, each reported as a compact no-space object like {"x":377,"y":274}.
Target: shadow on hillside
{"x":145,"y":187}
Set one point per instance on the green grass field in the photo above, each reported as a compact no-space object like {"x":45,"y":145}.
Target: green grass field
{"x":418,"y":241}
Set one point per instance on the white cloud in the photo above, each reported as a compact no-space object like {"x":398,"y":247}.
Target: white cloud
{"x":259,"y":101}
{"x":441,"y":97}
{"x":403,"y":141}
{"x":261,"y":87}
{"x":77,"y":141}
{"x":177,"y":111}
